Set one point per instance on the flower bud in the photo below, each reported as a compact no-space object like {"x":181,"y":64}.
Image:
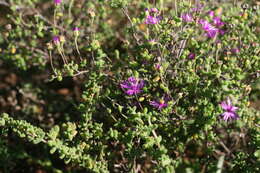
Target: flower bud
{"x":156,"y":79}
{"x":76,"y":31}
{"x":59,"y":14}
{"x":91,"y":13}
{"x":57,"y":2}
{"x":244,"y":16}
{"x":8,"y":27}
{"x":56,"y":40}
{"x":141,"y":99}
{"x":49,"y":46}
{"x":62,"y":39}
{"x":13,"y":50}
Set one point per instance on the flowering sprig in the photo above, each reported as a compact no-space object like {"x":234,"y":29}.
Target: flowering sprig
{"x":230,"y":110}
{"x":76,"y":33}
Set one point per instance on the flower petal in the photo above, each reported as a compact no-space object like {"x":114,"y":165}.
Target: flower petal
{"x":124,"y":85}
{"x":154,"y":103}
{"x":224,"y":105}
{"x":233,"y":108}
{"x":229,"y":116}
{"x":130,"y":92}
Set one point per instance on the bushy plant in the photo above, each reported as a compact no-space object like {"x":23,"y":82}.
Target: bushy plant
{"x":165,"y":85}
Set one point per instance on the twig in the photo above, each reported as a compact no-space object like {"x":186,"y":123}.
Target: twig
{"x":77,"y":47}
{"x":70,"y":6}
{"x":81,"y":72}
{"x":48,"y":21}
{"x":52,"y":63}
{"x":129,"y":19}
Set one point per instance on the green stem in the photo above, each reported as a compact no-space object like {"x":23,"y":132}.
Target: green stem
{"x":60,"y":52}
{"x":70,"y":7}
{"x":54,"y":17}
{"x":77,"y":48}
{"x":50,"y":55}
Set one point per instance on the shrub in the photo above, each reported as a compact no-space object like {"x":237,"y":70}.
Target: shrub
{"x":165,"y":88}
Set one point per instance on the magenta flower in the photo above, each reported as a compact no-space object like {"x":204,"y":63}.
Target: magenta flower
{"x":56,"y":39}
{"x":211,"y":31}
{"x":217,"y":22}
{"x":186,"y":17}
{"x":162,"y":103}
{"x":235,"y":50}
{"x":157,"y":66}
{"x":211,"y":13}
{"x":153,"y":10}
{"x":230,"y":110}
{"x":76,"y":29}
{"x":191,"y":56}
{"x":221,"y":31}
{"x":57,"y":2}
{"x":205,"y":24}
{"x":132,"y":85}
{"x":150,"y":20}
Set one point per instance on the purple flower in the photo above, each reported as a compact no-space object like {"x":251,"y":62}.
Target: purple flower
{"x":75,"y":29}
{"x":191,"y":56}
{"x":205,"y":24}
{"x":57,"y":2}
{"x":157,"y":66}
{"x":217,"y":22}
{"x":151,"y":17}
{"x":211,"y":31}
{"x":186,"y":17}
{"x":56,"y":39}
{"x":221,"y":31}
{"x":235,"y":50}
{"x":132,"y":85}
{"x":150,"y":20}
{"x":162,"y":103}
{"x":211,"y":13}
{"x":230,"y":110}
{"x":153,"y":10}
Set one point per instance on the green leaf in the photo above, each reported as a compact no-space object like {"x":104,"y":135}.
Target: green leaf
{"x":53,"y":150}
